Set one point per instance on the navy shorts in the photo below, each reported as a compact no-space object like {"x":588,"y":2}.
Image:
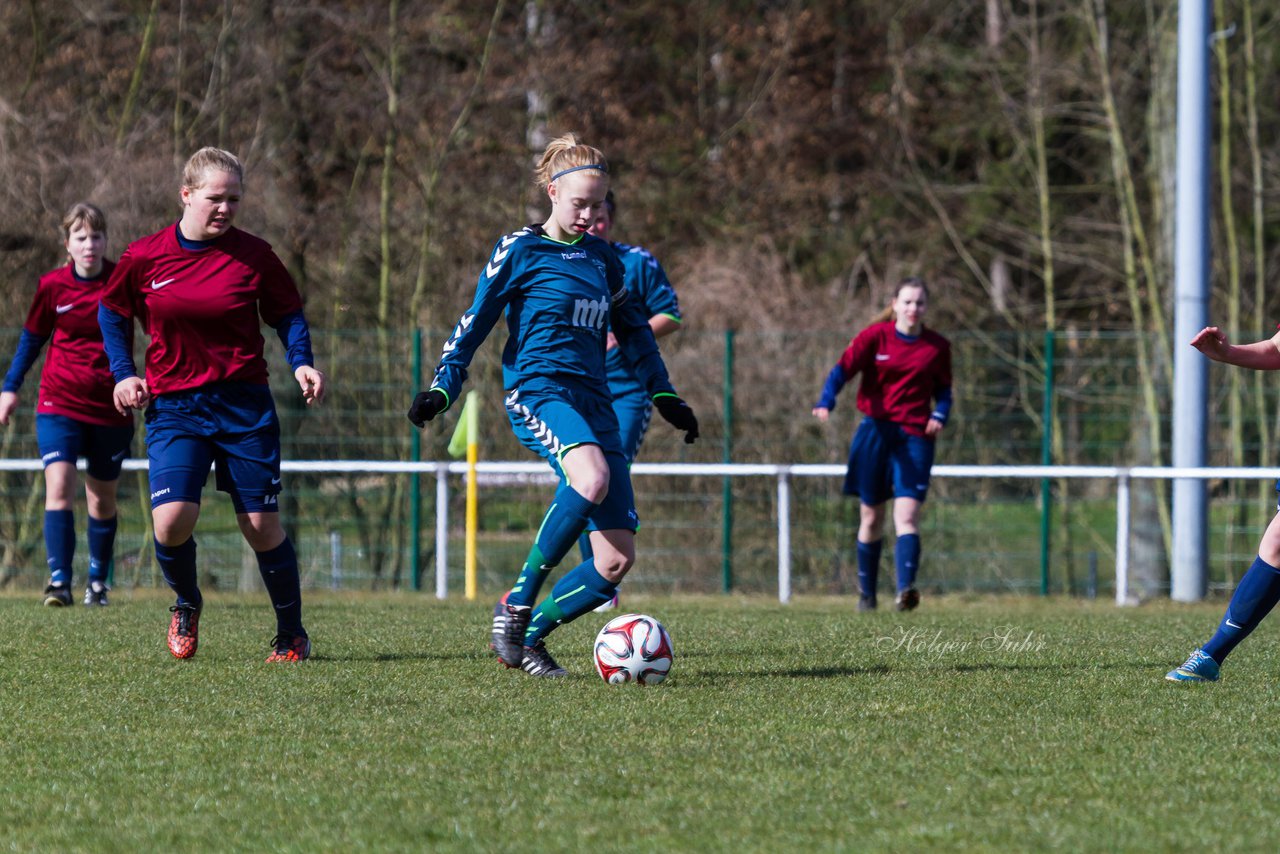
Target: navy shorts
{"x":634,"y":412}
{"x":887,"y":462}
{"x":63,"y":439}
{"x":551,"y":418}
{"x":232,"y":426}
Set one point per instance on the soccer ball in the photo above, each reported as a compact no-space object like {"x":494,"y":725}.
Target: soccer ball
{"x":633,"y":648}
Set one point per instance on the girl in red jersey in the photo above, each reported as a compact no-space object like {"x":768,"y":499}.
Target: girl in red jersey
{"x":199,"y":288}
{"x":905,"y":398}
{"x":75,"y":415}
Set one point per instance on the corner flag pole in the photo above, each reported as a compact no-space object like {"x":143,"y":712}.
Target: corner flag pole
{"x":468,"y":433}
{"x":473,"y":511}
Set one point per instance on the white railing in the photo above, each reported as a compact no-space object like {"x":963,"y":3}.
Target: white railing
{"x":781,"y":473}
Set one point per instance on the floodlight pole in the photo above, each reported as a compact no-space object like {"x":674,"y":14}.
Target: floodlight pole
{"x":1188,"y":563}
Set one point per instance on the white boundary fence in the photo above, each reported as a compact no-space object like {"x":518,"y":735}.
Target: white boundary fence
{"x":782,"y":474}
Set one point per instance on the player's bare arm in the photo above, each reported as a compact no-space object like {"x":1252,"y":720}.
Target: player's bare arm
{"x":1260,"y":356}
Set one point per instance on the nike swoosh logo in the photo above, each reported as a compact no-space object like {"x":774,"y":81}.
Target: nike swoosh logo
{"x":1233,"y":625}
{"x":63,"y":309}
{"x":274,"y":481}
{"x":155,"y":286}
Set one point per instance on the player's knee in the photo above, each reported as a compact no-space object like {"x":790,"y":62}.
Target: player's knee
{"x":262,"y":531}
{"x":174,"y":522}
{"x":594,"y":486}
{"x":172,"y":535}
{"x":613,"y":566}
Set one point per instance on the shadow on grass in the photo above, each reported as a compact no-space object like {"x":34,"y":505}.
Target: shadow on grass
{"x":402,"y":656}
{"x":887,"y":670}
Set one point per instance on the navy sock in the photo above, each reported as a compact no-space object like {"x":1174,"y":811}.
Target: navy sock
{"x":102,"y":543}
{"x":582,"y":590}
{"x":1255,"y":596}
{"x":906,"y":557}
{"x":279,"y":570}
{"x":566,"y":518}
{"x":178,"y":563}
{"x":584,"y":546}
{"x":60,"y":543}
{"x":868,"y":568}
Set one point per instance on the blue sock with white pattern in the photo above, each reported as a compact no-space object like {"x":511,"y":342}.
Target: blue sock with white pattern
{"x":102,"y":543}
{"x":60,"y":543}
{"x":868,"y":568}
{"x":906,"y":558}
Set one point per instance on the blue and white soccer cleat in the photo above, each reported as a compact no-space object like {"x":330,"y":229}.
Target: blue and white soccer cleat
{"x":1198,"y":668}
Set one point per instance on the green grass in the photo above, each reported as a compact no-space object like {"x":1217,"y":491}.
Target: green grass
{"x":805,"y":727}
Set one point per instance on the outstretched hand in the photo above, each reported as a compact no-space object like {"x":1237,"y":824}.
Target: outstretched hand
{"x":678,"y":415}
{"x":1211,"y":341}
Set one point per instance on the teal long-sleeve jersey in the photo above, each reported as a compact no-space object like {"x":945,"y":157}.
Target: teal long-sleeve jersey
{"x":560,"y":300}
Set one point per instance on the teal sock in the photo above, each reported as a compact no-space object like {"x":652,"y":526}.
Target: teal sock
{"x":581,"y":591}
{"x":584,"y":546}
{"x":565,"y":520}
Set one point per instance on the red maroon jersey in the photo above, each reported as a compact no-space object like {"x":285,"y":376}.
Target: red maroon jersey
{"x":201,"y":307}
{"x":901,"y":377}
{"x":76,"y":379}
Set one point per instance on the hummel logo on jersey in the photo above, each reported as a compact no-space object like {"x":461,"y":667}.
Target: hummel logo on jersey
{"x":571,"y":256}
{"x":882,"y":357}
{"x":155,"y":286}
{"x":63,"y":309}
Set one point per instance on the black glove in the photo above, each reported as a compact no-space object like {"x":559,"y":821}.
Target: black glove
{"x":427,"y":405}
{"x":678,"y":415}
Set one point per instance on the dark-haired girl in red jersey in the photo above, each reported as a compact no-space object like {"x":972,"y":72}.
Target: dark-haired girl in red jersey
{"x":905,"y":398}
{"x":75,"y":416}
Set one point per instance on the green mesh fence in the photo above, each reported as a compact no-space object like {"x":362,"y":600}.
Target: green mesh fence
{"x":355,"y":530}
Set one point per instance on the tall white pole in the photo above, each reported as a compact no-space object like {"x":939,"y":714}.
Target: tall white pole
{"x":1191,"y":285}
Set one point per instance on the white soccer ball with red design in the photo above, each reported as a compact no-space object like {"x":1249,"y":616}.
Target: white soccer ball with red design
{"x":633,"y":648}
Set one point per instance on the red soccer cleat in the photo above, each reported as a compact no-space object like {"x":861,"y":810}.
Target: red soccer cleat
{"x":184,"y":630}
{"x":290,"y":648}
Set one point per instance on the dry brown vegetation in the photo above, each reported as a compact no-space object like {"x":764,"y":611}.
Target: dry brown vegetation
{"x":787,"y":161}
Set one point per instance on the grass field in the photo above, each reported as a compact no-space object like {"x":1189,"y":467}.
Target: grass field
{"x":971,"y":724}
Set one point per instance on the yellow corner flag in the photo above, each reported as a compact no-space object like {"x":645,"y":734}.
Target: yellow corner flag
{"x":464,"y":432}
{"x":465,"y":440}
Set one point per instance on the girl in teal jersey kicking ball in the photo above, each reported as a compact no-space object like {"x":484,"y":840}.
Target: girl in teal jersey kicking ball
{"x":562,"y":290}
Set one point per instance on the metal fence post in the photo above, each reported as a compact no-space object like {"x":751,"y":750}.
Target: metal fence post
{"x":726,"y":501}
{"x":415,"y":479}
